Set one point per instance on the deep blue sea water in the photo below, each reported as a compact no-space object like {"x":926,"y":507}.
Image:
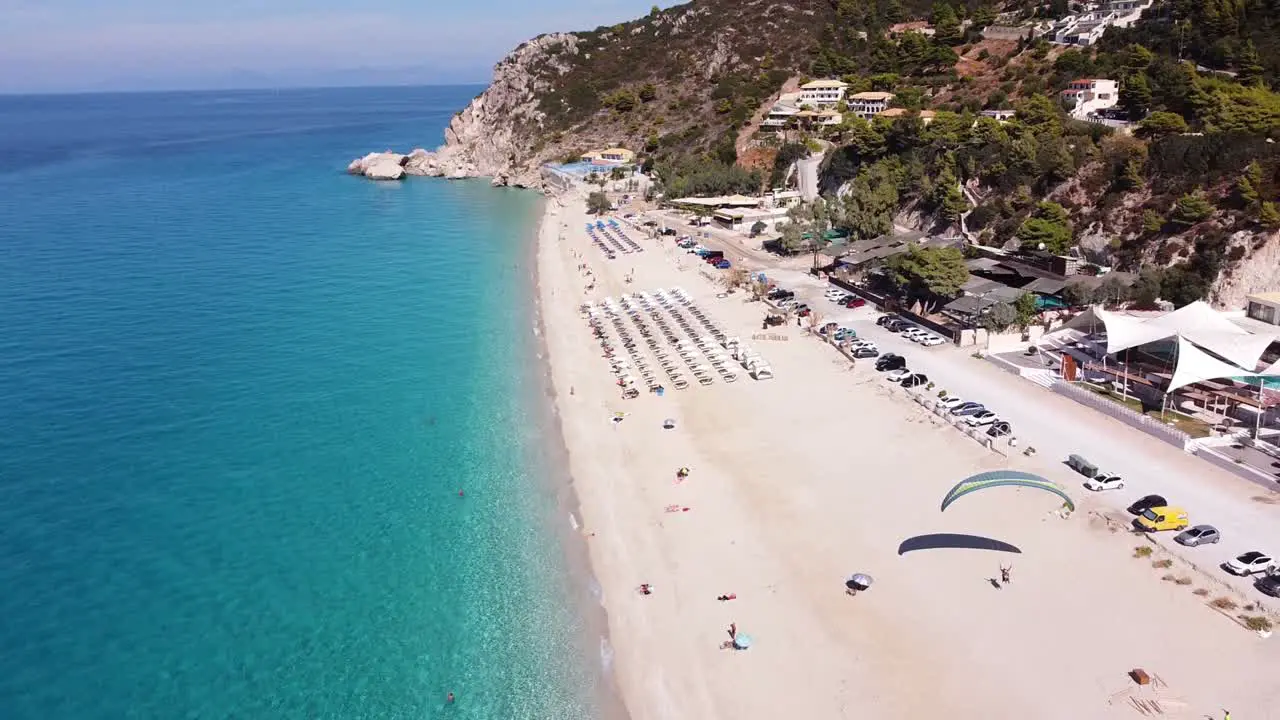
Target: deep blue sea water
{"x":239,"y":394}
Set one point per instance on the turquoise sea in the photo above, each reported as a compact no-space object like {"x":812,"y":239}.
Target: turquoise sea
{"x":240,"y":392}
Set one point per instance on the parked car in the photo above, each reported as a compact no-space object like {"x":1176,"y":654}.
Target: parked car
{"x":1104,"y":481}
{"x":1250,"y":563}
{"x":723,"y":264}
{"x":1000,"y":429}
{"x":932,"y":340}
{"x":834,"y":293}
{"x":863,"y":353}
{"x":967,"y":408}
{"x":1198,"y":535}
{"x":891,"y":362}
{"x":980,"y":418}
{"x":856,"y":302}
{"x":1269,"y":584}
{"x":1158,"y":519}
{"x":885,"y":319}
{"x":1147,"y":501}
{"x":894,"y":326}
{"x":910,"y":331}
{"x":915,"y":380}
{"x":948,"y":403}
{"x":898,"y":375}
{"x":843,"y":299}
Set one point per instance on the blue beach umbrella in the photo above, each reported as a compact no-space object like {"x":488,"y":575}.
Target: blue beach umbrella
{"x":742,"y":641}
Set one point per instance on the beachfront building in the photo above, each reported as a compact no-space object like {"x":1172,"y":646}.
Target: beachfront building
{"x":1264,"y":307}
{"x":1091,"y":95}
{"x":1002,"y":116}
{"x":822,"y":93}
{"x":1082,"y":29}
{"x":610,"y":156}
{"x":783,"y":113}
{"x":742,"y":219}
{"x":869,"y":104}
{"x":926,"y":116}
{"x":817,"y":118}
{"x":1195,"y":359}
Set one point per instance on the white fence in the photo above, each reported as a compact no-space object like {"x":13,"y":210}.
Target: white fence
{"x":1149,"y":425}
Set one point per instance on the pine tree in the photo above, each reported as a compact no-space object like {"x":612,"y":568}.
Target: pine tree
{"x":1249,"y":184}
{"x":1268,"y":215}
{"x":946,"y":26}
{"x":1248,"y":64}
{"x":1135,"y":96}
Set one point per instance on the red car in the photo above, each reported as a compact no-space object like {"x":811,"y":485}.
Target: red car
{"x":855,"y":303}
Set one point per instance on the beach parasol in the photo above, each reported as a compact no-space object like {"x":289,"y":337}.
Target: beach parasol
{"x":668,"y":423}
{"x":742,"y":641}
{"x":859,"y":581}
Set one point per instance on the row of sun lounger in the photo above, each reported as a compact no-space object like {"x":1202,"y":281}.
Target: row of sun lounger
{"x":622,"y":368}
{"x":605,"y":235}
{"x":692,"y":338}
{"x":700,"y":352}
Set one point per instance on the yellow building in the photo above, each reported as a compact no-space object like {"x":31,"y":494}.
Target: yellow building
{"x":611,"y":156}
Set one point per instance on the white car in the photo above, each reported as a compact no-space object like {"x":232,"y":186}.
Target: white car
{"x":950,"y":402}
{"x":861,"y":344}
{"x":913,"y":333}
{"x":1250,"y":563}
{"x":1104,"y":481}
{"x":898,"y":375}
{"x":932,"y":340}
{"x":986,"y":417}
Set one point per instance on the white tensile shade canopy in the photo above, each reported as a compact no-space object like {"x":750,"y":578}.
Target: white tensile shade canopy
{"x":1195,"y":365}
{"x":1209,"y":345}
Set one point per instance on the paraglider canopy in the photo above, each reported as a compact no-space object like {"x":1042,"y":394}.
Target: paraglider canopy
{"x":998,"y":478}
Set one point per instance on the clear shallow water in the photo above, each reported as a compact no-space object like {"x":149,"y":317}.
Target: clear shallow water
{"x":241,"y":391}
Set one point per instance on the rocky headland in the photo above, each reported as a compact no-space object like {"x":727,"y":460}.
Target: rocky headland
{"x":496,"y":134}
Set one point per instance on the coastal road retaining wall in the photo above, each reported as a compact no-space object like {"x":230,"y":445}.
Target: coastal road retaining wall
{"x":1236,"y":468}
{"x":999,"y":446}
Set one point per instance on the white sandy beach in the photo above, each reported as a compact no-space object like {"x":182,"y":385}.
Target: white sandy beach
{"x":801,"y":480}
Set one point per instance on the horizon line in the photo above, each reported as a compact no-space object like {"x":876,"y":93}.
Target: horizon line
{"x":278,"y":88}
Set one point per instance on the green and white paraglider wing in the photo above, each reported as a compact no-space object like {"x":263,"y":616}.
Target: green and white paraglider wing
{"x":999,"y":478}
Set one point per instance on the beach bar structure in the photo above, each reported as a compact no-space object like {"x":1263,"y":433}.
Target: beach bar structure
{"x":1205,"y":357}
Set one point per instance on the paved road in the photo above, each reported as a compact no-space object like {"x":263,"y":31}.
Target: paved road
{"x":807,"y":176}
{"x":1246,"y":514}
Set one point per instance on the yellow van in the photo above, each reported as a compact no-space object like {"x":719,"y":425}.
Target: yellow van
{"x":1161,"y":518}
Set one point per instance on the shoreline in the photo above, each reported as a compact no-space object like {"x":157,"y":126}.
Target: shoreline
{"x":583,"y":582}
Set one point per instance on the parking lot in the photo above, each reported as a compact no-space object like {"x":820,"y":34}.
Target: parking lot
{"x":1056,"y":427}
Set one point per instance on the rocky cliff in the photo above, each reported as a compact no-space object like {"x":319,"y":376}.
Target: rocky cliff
{"x":492,"y":136}
{"x":676,"y":82}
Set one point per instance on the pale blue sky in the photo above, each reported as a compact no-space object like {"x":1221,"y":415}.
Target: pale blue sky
{"x":72,"y":45}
